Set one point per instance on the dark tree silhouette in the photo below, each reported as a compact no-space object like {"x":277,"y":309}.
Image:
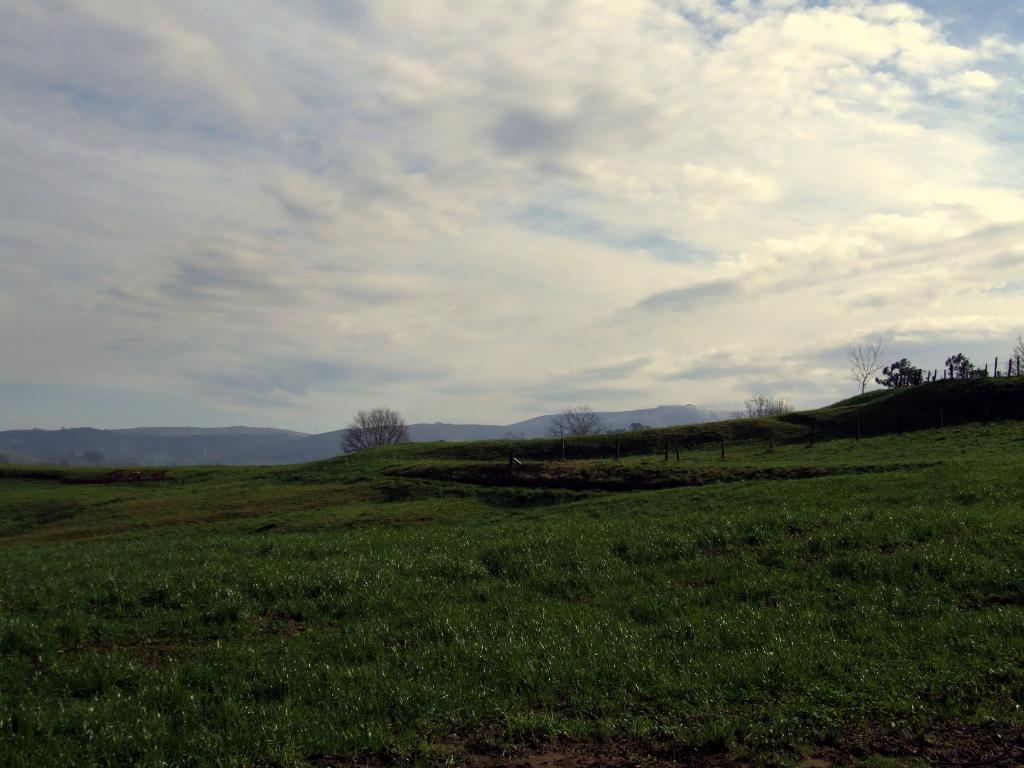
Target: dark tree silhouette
{"x":900,"y":374}
{"x":759,"y":406}
{"x":960,"y":367}
{"x":576,"y":422}
{"x":1016,"y":356}
{"x":374,"y":428}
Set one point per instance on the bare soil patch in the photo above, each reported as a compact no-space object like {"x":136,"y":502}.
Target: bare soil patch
{"x":605,"y":477}
{"x":948,"y":746}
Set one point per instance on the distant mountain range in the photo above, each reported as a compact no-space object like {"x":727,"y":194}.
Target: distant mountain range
{"x":179,"y":446}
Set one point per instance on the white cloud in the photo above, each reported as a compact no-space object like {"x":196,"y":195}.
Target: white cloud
{"x":491,"y":193}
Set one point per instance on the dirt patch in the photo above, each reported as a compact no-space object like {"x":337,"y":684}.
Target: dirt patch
{"x":606,"y":477}
{"x":277,"y":622}
{"x":1012,"y":598}
{"x":962,"y":746}
{"x":950,"y":746}
{"x":274,"y":621}
{"x":562,"y":756}
{"x":892,"y":547}
{"x":152,"y":654}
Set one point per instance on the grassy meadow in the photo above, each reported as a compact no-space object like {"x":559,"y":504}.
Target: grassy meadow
{"x":858,"y":601}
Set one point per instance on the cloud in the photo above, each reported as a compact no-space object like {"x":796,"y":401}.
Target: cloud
{"x":521,"y":131}
{"x":288,"y":380}
{"x":691,"y":296}
{"x":607,"y":189}
{"x":217,"y":274}
{"x":616,"y":370}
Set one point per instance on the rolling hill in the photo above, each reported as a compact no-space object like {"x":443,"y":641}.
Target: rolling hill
{"x":858,"y":602}
{"x":181,"y":446}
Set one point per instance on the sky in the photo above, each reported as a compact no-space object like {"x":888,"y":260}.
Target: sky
{"x":278,"y":213}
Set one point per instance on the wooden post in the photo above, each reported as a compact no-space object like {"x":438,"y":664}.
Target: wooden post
{"x":858,"y":429}
{"x":618,"y":447}
{"x":563,"y":447}
{"x":666,"y":450}
{"x":511,"y":458}
{"x":995,"y":367}
{"x":942,"y":419}
{"x":899,"y":423}
{"x":984,"y":415}
{"x":677,"y":451}
{"x":723,"y":446}
{"x":771,"y":442}
{"x":814,"y":428}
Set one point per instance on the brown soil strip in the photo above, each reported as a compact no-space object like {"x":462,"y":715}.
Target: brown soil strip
{"x":604,"y":478}
{"x":948,"y":746}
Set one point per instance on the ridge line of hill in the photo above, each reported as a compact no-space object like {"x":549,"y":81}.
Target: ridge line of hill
{"x":181,"y":446}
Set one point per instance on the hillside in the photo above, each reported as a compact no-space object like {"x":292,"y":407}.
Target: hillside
{"x":181,"y":446}
{"x":879,"y":413}
{"x":854,"y":603}
{"x":923,"y":407}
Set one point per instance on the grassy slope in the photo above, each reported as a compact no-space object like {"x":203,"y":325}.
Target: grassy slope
{"x":283,"y":615}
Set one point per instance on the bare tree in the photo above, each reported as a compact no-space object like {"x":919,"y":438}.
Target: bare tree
{"x":759,"y":406}
{"x":576,"y":422}
{"x":374,"y":428}
{"x":865,"y":361}
{"x":1017,"y":353}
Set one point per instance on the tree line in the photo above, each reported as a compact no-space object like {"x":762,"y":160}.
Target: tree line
{"x":383,"y":426}
{"x":868,"y":360}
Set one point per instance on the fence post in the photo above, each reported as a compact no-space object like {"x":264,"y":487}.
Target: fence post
{"x":666,"y":450}
{"x":618,"y":447}
{"x":676,"y":445}
{"x":771,"y":442}
{"x":858,"y":429}
{"x":899,"y":423}
{"x":942,"y":419}
{"x":723,"y":446}
{"x":814,"y":428}
{"x":563,"y":447}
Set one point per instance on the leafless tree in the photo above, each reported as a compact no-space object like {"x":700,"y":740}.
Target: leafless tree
{"x":759,"y":406}
{"x":865,"y":361}
{"x":576,"y":422}
{"x":374,"y":428}
{"x":1017,"y":353}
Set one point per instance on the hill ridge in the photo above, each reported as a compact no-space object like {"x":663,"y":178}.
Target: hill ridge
{"x":182,"y":446}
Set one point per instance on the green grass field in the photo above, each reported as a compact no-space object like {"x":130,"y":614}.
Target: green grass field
{"x":858,"y":601}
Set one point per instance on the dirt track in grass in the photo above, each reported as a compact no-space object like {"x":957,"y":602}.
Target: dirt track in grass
{"x":949,"y":746}
{"x":610,"y":477}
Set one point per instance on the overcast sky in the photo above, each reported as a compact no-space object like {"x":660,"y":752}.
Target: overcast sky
{"x":276,"y":213}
